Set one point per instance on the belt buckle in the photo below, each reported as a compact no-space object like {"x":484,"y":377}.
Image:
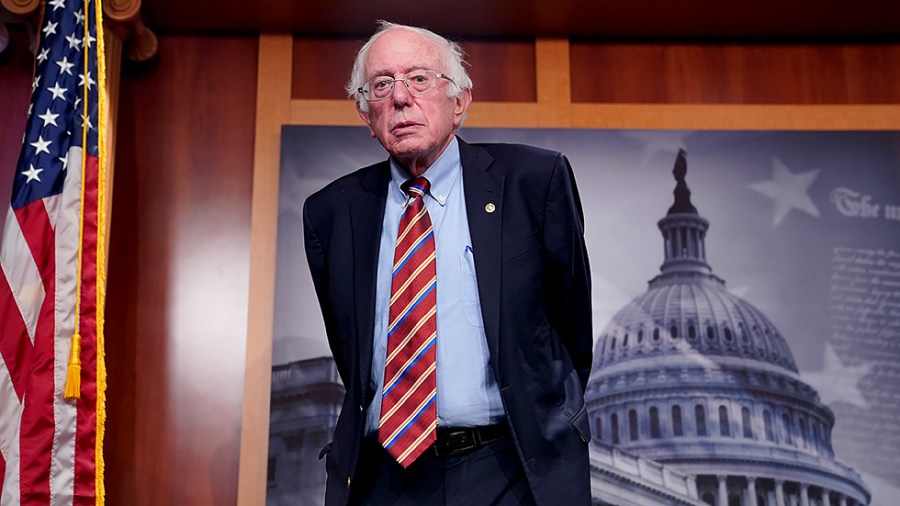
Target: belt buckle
{"x":457,"y":442}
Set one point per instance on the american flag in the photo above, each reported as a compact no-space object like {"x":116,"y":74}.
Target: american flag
{"x":52,"y":278}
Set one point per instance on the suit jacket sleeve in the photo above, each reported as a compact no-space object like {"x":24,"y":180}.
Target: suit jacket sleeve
{"x":316,"y":246}
{"x":569,"y":279}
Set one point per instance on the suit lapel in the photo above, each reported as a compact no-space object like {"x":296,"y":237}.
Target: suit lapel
{"x":484,"y":209}
{"x":367,"y":215}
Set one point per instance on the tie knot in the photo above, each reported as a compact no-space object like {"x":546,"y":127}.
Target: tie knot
{"x":416,"y":187}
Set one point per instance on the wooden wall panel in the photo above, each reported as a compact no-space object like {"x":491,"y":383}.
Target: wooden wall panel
{"x":504,"y":71}
{"x":178,"y":276}
{"x":321,"y":67}
{"x":735,"y":73}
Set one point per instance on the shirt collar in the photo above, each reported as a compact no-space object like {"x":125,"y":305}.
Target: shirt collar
{"x":442,"y":174}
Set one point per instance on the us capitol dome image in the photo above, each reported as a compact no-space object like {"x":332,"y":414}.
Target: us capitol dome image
{"x":694,"y":396}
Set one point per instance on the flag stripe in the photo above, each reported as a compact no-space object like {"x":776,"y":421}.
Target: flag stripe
{"x":16,"y":351}
{"x":2,"y":467}
{"x":21,"y":273}
{"x":37,"y":230}
{"x":10,"y":409}
{"x":9,"y":482}
{"x":37,"y":426}
{"x":84,"y":458}
{"x":68,"y":226}
{"x":37,"y":422}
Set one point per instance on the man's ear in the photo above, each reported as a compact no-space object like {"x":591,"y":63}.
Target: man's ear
{"x":364,"y":115}
{"x":461,"y":104}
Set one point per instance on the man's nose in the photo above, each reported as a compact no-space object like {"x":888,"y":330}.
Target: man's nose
{"x":401,"y":95}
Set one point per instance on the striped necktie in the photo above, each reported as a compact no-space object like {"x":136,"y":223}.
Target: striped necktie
{"x":408,"y":411}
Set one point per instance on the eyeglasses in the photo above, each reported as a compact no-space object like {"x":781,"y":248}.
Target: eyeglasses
{"x":417,"y":82}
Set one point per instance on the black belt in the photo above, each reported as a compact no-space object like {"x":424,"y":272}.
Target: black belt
{"x":464,"y":440}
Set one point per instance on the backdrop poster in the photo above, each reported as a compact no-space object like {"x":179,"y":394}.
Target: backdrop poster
{"x":803,"y":225}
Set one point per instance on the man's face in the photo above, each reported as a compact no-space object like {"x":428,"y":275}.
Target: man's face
{"x":414,"y":129}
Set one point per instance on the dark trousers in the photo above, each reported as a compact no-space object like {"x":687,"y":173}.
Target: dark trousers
{"x":489,"y":476}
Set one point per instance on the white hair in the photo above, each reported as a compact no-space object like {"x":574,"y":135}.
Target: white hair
{"x":452,"y":58}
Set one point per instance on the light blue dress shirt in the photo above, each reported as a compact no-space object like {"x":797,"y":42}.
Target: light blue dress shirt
{"x":467,"y":393}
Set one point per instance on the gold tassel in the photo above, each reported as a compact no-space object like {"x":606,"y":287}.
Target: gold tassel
{"x":73,"y":375}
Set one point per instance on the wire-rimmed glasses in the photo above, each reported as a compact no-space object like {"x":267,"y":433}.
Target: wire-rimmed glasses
{"x":417,"y":82}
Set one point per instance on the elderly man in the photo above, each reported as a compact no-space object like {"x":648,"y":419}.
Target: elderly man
{"x":454,"y":284}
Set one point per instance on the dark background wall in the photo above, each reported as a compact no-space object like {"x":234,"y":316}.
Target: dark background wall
{"x":16,"y":65}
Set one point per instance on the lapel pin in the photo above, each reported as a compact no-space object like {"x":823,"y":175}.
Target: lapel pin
{"x":490,"y":207}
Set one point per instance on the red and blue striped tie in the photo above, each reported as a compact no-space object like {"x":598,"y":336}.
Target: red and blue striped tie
{"x":408,"y":411}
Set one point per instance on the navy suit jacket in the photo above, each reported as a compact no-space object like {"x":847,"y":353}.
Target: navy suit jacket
{"x":534,"y":287}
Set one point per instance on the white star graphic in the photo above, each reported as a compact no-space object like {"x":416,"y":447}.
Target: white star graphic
{"x":90,"y":81}
{"x":32,"y":174}
{"x":34,"y":85}
{"x":41,"y":145}
{"x":50,"y":29}
{"x":788,"y":190}
{"x":74,"y":42}
{"x":79,"y":17}
{"x":43,"y":55}
{"x":837,"y":382}
{"x":64,"y":66}
{"x":65,"y":162}
{"x":57,"y":4}
{"x":57,"y":92}
{"x":49,"y":118}
{"x":90,"y":40}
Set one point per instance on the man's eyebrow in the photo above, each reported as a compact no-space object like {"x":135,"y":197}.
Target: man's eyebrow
{"x":406,"y":70}
{"x":379,"y":73}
